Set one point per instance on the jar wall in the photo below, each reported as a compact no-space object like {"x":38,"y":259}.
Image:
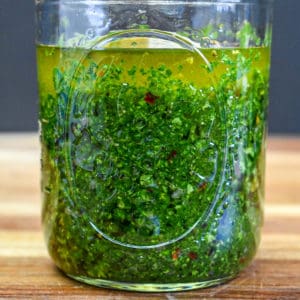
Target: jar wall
{"x":65,"y":21}
{"x":153,"y":119}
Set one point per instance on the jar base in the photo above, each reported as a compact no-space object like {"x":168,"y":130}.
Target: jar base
{"x":150,"y":287}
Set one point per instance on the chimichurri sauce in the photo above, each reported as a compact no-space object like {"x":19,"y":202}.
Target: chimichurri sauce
{"x":152,"y":161}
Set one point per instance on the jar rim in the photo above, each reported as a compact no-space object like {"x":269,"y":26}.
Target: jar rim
{"x":162,"y":2}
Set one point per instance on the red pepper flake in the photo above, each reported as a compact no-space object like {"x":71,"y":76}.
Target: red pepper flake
{"x":172,"y":155}
{"x":202,"y":186}
{"x":150,"y":98}
{"x":242,"y":260}
{"x":193,"y":255}
{"x":101,"y":73}
{"x":176,"y":254}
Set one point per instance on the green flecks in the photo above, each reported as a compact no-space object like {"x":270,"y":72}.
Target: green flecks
{"x":136,"y":147}
{"x":247,"y":36}
{"x":189,"y":189}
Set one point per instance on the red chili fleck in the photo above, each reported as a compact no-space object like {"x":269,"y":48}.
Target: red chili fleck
{"x":242,"y":260}
{"x":193,"y":255}
{"x":101,"y":73}
{"x":172,"y":155}
{"x":202,"y":186}
{"x":150,"y":98}
{"x":176,"y":254}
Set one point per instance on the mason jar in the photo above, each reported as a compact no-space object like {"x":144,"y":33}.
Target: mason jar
{"x":152,"y":128}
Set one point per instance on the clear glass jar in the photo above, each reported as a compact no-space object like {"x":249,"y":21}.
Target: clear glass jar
{"x":152,"y":118}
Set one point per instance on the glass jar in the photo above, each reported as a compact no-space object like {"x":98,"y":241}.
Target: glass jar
{"x":152,"y":117}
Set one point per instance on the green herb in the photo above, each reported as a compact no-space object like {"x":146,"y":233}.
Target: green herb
{"x":152,"y":161}
{"x":247,"y":36}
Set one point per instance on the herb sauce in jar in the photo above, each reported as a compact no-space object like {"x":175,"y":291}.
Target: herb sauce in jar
{"x":152,"y":161}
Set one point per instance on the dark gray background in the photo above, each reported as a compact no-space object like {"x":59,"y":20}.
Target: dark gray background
{"x":18,"y":88}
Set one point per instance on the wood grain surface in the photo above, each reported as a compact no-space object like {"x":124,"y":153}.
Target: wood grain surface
{"x":26,"y":271}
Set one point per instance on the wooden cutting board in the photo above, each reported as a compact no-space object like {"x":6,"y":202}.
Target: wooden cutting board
{"x":26,"y":272}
